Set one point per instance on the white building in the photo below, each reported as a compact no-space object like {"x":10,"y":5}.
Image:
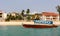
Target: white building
{"x":3,"y":15}
{"x":50,"y":16}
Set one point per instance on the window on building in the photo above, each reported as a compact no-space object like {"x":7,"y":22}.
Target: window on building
{"x":0,"y":16}
{"x":54,"y":18}
{"x":0,"y":13}
{"x":47,"y":16}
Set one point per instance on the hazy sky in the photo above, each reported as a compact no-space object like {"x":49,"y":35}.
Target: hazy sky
{"x":33,"y":5}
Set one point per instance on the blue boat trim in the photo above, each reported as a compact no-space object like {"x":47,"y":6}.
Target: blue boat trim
{"x":43,"y":22}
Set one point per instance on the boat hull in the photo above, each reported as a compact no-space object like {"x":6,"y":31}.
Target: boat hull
{"x":39,"y":26}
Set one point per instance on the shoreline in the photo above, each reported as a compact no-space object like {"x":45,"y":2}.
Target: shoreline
{"x":14,"y":23}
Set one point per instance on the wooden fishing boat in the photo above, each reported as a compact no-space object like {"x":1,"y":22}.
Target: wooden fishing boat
{"x":40,"y":24}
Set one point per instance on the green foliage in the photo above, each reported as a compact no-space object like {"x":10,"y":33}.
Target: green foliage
{"x":22,"y":13}
{"x":28,"y":18}
{"x":19,"y":17}
{"x":13,"y":18}
{"x":28,"y":11}
{"x":58,"y":9}
{"x":7,"y":19}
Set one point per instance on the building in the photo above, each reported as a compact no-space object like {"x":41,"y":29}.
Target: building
{"x":47,"y":16}
{"x":50,"y":16}
{"x":13,"y":13}
{"x":3,"y":15}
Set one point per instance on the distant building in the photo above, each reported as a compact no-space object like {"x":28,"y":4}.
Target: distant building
{"x":50,"y":16}
{"x":13,"y":14}
{"x":3,"y":15}
{"x":47,"y":16}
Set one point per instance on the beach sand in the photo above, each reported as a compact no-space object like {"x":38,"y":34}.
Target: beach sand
{"x":15,"y":23}
{"x":23,"y":22}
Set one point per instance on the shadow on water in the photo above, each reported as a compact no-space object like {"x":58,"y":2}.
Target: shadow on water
{"x":21,"y":31}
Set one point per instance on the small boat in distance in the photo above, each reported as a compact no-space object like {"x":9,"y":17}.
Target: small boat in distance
{"x":40,"y":24}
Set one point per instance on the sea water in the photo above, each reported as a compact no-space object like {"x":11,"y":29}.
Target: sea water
{"x":21,"y":31}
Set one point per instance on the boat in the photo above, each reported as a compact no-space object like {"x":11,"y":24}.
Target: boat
{"x":41,"y":24}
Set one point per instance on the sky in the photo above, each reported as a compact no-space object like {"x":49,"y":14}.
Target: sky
{"x":33,"y":5}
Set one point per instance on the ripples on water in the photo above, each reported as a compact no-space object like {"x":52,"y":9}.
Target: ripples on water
{"x":3,"y":28}
{"x":21,"y":31}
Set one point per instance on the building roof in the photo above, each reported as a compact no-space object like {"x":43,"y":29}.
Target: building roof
{"x":50,"y":14}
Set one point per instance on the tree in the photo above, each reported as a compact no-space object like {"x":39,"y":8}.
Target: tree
{"x":28,"y":11}
{"x":28,"y":18}
{"x":22,"y":13}
{"x":19,"y":17}
{"x":13,"y":18}
{"x":58,"y":9}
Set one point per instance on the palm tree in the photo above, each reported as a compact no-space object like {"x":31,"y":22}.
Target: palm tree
{"x":22,"y":13}
{"x":28,"y":11}
{"x":58,"y":9}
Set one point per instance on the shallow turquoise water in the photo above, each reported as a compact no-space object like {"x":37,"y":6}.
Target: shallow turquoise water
{"x":21,"y":31}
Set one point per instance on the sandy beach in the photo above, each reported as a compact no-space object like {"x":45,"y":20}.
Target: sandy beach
{"x":15,"y":23}
{"x":23,"y":22}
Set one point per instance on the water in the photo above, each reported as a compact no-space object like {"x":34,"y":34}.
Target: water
{"x":21,"y":31}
